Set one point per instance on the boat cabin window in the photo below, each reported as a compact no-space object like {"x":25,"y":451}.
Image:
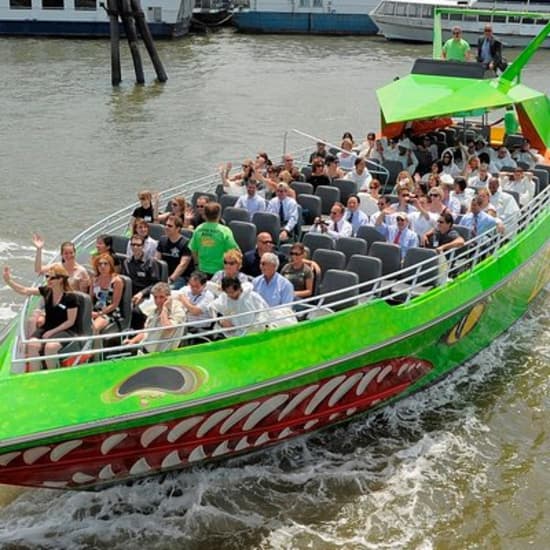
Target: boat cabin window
{"x":541,"y":22}
{"x":52,"y":4}
{"x":484,"y":18}
{"x":388,"y":8}
{"x":499,"y":19}
{"x":304,"y":3}
{"x":528,"y":21}
{"x":455,"y":17}
{"x":20,"y":4}
{"x":401,"y":9}
{"x":317,"y":3}
{"x":415,"y":10}
{"x":427,"y":11}
{"x":85,"y":5}
{"x":514,"y":19}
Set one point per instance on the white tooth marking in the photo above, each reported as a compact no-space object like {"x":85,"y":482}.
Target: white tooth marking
{"x":212,"y":420}
{"x":323,"y":391}
{"x":150,"y":434}
{"x":32,"y":455}
{"x":351,"y":411}
{"x":403,"y":368}
{"x":55,"y":484}
{"x":8,"y":457}
{"x":333,"y":416}
{"x":297,"y":399}
{"x":242,"y":444}
{"x":106,"y":473}
{"x":182,"y":427}
{"x":308,"y":425}
{"x":265,"y":409}
{"x":367,"y":379}
{"x":80,"y":478}
{"x":140,"y":466}
{"x":384,"y":373}
{"x":221,"y":449}
{"x":197,"y":454}
{"x":171,"y":459}
{"x":264,"y":438}
{"x":111,"y":442}
{"x":238,"y":415}
{"x":344,"y":388}
{"x":285,"y":433}
{"x":63,"y":448}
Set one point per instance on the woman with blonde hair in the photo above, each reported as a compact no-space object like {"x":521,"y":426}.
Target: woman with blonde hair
{"x":232,"y":264}
{"x":106,"y":292}
{"x":403,"y":181}
{"x":179,"y":208}
{"x":61,"y":310}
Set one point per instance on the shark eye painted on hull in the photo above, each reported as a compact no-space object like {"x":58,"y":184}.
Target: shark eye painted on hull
{"x":466,"y":324}
{"x":160,"y":379}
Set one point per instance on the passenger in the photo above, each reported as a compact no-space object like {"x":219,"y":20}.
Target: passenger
{"x":519,"y":182}
{"x":251,"y":258}
{"x":507,"y":207}
{"x":275,"y":289}
{"x":318,"y":176}
{"x":369,"y":198}
{"x":502,"y":159}
{"x":482,"y":179}
{"x":320,"y":152}
{"x":483,"y":148}
{"x":337,"y":226}
{"x":248,"y":310}
{"x":359,"y":175}
{"x":348,"y":135}
{"x":406,"y":156}
{"x":487,"y":206}
{"x":198,"y":211}
{"x":422,"y":220}
{"x":141,"y":228}
{"x":148,"y":208}
{"x":299,"y":273}
{"x":168,"y":316}
{"x":197,"y":300}
{"x":462,"y":194}
{"x":400,"y":233}
{"x":477,"y":220}
{"x":346,"y":156}
{"x":174,"y":250}
{"x":424,"y":155}
{"x":385,"y":214}
{"x":354,"y":215}
{"x":472,"y":167}
{"x":527,"y":155}
{"x":106,"y":292}
{"x":332,"y":168}
{"x":233,"y":184}
{"x":368,"y":147}
{"x":251,"y":201}
{"x":143,"y":274}
{"x":104,"y":245}
{"x":489,"y":50}
{"x":456,"y":48}
{"x":451,"y":202}
{"x":404,"y":199}
{"x":261,"y":163}
{"x":78,"y":276}
{"x":437,"y":206}
{"x":286,"y":177}
{"x":287,"y":209}
{"x":435,"y":170}
{"x":211,"y":240}
{"x":443,"y":238}
{"x":274,"y":175}
{"x":179,"y":208}
{"x":448,"y":165}
{"x":61,"y":310}
{"x":232,"y":264}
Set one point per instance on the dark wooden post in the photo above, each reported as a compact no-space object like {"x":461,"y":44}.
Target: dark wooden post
{"x":141,"y":24}
{"x":130,"y":30}
{"x":112,"y":10}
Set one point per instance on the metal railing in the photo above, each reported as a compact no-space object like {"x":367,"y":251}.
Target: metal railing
{"x":396,"y":288}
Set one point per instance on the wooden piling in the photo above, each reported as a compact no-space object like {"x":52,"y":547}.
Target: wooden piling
{"x":126,"y":16}
{"x":112,"y":10}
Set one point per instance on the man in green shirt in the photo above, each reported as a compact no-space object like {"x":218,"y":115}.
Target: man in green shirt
{"x":456,"y":48}
{"x":211,"y":240}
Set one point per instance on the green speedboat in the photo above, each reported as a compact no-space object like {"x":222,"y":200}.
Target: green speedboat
{"x":367,"y":341}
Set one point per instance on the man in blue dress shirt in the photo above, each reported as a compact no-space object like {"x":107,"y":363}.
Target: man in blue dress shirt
{"x":275,"y":289}
{"x":287,"y":209}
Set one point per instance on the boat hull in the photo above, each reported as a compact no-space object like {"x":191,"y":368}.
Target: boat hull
{"x":464,"y":319}
{"x":304,"y":23}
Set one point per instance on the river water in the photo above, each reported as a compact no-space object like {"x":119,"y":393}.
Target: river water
{"x":463,"y":465}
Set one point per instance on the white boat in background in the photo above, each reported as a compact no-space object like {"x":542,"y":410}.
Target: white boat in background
{"x":346,"y":17}
{"x":412,"y":20}
{"x":88,"y":18}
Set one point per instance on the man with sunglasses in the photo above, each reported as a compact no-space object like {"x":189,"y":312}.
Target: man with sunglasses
{"x":489,"y":51}
{"x":456,"y":48}
{"x":251,"y":259}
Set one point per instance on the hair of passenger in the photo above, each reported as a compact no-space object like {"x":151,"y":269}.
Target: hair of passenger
{"x":176,"y":219}
{"x":347,"y":135}
{"x":358,"y":160}
{"x":161,"y":288}
{"x":438,"y":191}
{"x":340,"y":206}
{"x":235,"y":255}
{"x":100,"y":258}
{"x":231,"y":282}
{"x":330,"y":159}
{"x":145,"y":195}
{"x":386,"y":199}
{"x":298,"y":246}
{"x":107,"y":240}
{"x":461,"y":182}
{"x":137,"y":237}
{"x":204,"y":198}
{"x":354,"y":196}
{"x":346,"y":141}
{"x":139,"y":221}
{"x":182,"y":203}
{"x":59,"y":271}
{"x":376,"y":183}
{"x":212,"y":211}
{"x":199,"y":276}
{"x":66,"y":244}
{"x":448,"y":217}
{"x":285,"y":176}
{"x":484,"y":158}
{"x":264,"y":155}
{"x":271,"y":258}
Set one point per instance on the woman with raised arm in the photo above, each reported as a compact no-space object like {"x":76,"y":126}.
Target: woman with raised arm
{"x":61,"y":309}
{"x":106,"y":292}
{"x":179,"y":208}
{"x":78,"y":276}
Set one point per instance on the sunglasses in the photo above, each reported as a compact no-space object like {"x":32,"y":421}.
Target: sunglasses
{"x":136,"y":244}
{"x":267,"y":242}
{"x":229,"y":262}
{"x":296,"y":253}
{"x":102,"y":263}
{"x":433,"y":195}
{"x":53,"y":277}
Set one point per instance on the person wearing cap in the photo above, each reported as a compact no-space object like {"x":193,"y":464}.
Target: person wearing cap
{"x":251,"y":201}
{"x":502,"y":159}
{"x":456,"y":48}
{"x":399,"y":233}
{"x":320,"y":152}
{"x":286,"y":208}
{"x":406,"y":156}
{"x":489,"y":50}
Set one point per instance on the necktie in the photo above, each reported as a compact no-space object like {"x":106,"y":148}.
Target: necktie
{"x":350,"y":219}
{"x":474,"y":228}
{"x":281,"y":212}
{"x":336,"y":227}
{"x":397,"y":237}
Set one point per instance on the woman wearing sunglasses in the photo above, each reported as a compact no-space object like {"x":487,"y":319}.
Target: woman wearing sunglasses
{"x":105,"y":292}
{"x":61,"y":309}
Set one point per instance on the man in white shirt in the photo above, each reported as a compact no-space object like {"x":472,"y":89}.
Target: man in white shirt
{"x":251,"y":201}
{"x":360,"y":175}
{"x":337,"y":226}
{"x":519,"y":182}
{"x":482,"y":178}
{"x":502,"y":159}
{"x":422,"y":220}
{"x":506,"y":205}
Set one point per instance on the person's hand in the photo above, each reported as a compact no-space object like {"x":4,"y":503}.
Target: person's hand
{"x":7,"y":274}
{"x":137,"y":298}
{"x":47,"y":334}
{"x":37,"y":241}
